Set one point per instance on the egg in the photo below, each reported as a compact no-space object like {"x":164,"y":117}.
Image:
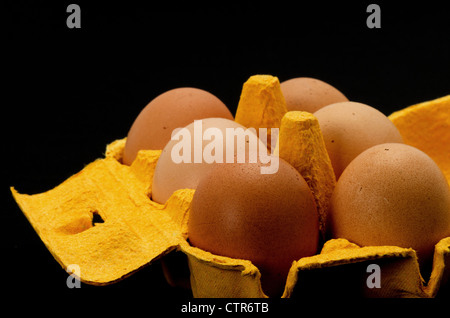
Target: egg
{"x":269,"y":219}
{"x":309,"y":94}
{"x":173,"y":109}
{"x":392,"y":194}
{"x":349,"y":128}
{"x":179,"y":168}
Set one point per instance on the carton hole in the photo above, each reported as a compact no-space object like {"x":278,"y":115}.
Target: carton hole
{"x":82,"y":222}
{"x":96,"y":218}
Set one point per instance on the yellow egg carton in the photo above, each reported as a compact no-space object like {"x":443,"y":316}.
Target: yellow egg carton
{"x":135,"y":231}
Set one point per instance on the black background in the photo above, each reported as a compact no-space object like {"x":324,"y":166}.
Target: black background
{"x":66,"y":93}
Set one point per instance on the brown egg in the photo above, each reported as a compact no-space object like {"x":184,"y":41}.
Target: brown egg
{"x":392,"y":194}
{"x":349,"y":128}
{"x":269,"y":219}
{"x":309,"y":94}
{"x":173,"y":109}
{"x":172,"y":172}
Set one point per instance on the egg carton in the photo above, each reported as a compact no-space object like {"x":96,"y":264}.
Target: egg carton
{"x":136,"y":231}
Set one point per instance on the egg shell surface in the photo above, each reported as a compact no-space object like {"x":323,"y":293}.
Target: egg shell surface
{"x":170,"y":176}
{"x":392,"y":194}
{"x":309,"y":94}
{"x":269,"y":219}
{"x":173,"y":109}
{"x":349,"y":128}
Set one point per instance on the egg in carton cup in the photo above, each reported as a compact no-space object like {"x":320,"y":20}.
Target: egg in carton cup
{"x":134,"y":231}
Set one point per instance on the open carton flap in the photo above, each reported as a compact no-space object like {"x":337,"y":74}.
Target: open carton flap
{"x":133,"y":230}
{"x":426,"y":126}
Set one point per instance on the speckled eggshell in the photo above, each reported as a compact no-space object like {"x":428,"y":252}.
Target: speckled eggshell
{"x":392,"y":194}
{"x":309,"y":94}
{"x":173,"y":109}
{"x":269,"y":219}
{"x":349,"y":128}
